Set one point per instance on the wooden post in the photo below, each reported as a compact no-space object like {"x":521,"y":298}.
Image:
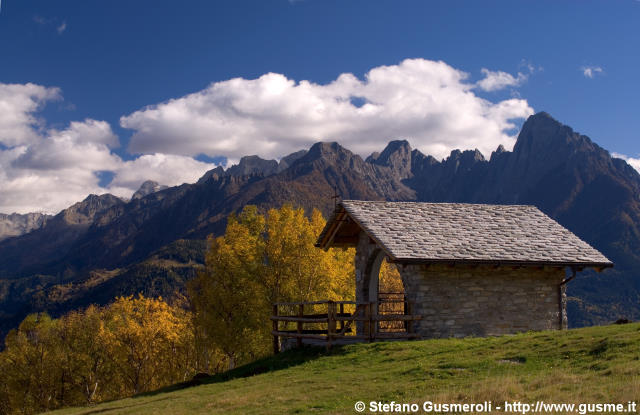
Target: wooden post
{"x":373,"y":324}
{"x":331,"y":322}
{"x":276,"y":342}
{"x":341,"y":315}
{"x":299,"y":327}
{"x":406,"y":312}
{"x":410,"y":322}
{"x":368,"y":326}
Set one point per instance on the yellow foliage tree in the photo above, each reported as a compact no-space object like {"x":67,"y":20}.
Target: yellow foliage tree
{"x":30,"y":372}
{"x":260,"y":260}
{"x":131,"y":346}
{"x":146,"y":340}
{"x":225,"y":297}
{"x":390,"y":280}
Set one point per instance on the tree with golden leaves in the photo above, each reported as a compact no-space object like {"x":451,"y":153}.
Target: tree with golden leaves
{"x":133,"y":345}
{"x":260,"y":260}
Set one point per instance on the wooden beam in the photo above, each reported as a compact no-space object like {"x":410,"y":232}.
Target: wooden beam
{"x":344,"y":240}
{"x":338,"y":223}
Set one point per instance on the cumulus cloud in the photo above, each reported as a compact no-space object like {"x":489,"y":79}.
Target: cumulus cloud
{"x":45,"y":170}
{"x":18,"y":105}
{"x":430,"y":103}
{"x":633,"y":162}
{"x":51,"y":173}
{"x":591,"y":71}
{"x":496,"y":80}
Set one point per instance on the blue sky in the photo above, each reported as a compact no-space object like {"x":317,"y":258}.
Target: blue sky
{"x":577,"y":60}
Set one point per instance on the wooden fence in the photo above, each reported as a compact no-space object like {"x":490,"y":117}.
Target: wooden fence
{"x":340,"y":322}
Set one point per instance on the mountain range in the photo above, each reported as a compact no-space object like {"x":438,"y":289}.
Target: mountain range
{"x":105,"y":246}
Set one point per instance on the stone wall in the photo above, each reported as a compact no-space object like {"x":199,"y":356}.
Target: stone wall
{"x":459,"y":301}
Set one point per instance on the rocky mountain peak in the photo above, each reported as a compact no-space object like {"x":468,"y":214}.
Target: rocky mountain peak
{"x":253,"y":165}
{"x":85,"y":212}
{"x":324,"y":148}
{"x":328,"y":152}
{"x":462,"y":160}
{"x":396,"y":156}
{"x":540,"y":134}
{"x":212,"y":174}
{"x":545,"y":144}
{"x":499,"y":152}
{"x":148,"y":188}
{"x":287,"y":161}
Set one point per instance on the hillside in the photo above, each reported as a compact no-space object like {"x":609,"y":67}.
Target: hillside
{"x":103,"y":246}
{"x":596,"y":365}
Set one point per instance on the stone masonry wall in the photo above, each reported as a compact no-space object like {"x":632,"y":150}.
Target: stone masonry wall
{"x":459,"y":301}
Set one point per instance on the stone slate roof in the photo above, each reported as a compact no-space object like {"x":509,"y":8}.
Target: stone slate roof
{"x":470,"y":233}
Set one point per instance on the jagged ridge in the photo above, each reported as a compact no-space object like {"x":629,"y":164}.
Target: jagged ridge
{"x":562,"y":172}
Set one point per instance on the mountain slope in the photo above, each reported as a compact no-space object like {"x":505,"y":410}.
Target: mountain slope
{"x":105,"y":239}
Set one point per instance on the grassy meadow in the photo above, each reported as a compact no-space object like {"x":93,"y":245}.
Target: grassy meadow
{"x":595,"y":364}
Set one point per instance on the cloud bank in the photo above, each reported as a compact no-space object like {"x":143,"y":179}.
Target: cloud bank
{"x":46,"y":170}
{"x":430,"y":103}
{"x":433,"y":105}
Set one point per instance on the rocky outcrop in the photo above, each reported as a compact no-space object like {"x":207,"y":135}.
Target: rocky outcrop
{"x":397,"y":157}
{"x":17,"y":224}
{"x":253,"y":165}
{"x":147,"y":188}
{"x":286,"y":161}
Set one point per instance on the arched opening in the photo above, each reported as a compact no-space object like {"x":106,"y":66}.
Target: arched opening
{"x":391,"y":298}
{"x":383,"y":287}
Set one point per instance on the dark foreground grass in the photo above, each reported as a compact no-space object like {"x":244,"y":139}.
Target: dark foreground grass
{"x":596,"y":364}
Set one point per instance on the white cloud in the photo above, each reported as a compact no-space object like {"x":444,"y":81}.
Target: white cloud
{"x":591,"y":71}
{"x":633,"y":162}
{"x":168,"y":169}
{"x":496,"y":80}
{"x":18,"y":104}
{"x":61,"y":28}
{"x":47,"y":170}
{"x":427,"y":102}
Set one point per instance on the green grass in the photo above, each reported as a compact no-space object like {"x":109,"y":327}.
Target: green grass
{"x":596,"y":364}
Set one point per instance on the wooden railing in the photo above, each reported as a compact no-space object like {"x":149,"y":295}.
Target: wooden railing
{"x":334,"y":322}
{"x":393,"y":303}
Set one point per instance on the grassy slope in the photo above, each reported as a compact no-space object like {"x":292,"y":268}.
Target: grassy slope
{"x":596,"y":364}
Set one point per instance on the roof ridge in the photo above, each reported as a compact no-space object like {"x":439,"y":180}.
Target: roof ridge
{"x":440,"y":203}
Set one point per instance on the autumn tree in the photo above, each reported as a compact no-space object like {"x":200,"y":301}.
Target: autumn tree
{"x":145,"y":341}
{"x":389,"y":278}
{"x":262,"y":259}
{"x":86,"y":356}
{"x":32,"y":370}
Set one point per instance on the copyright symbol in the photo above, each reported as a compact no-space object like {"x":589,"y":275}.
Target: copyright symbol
{"x":360,"y":406}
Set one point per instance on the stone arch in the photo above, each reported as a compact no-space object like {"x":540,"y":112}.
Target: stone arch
{"x":372,"y":275}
